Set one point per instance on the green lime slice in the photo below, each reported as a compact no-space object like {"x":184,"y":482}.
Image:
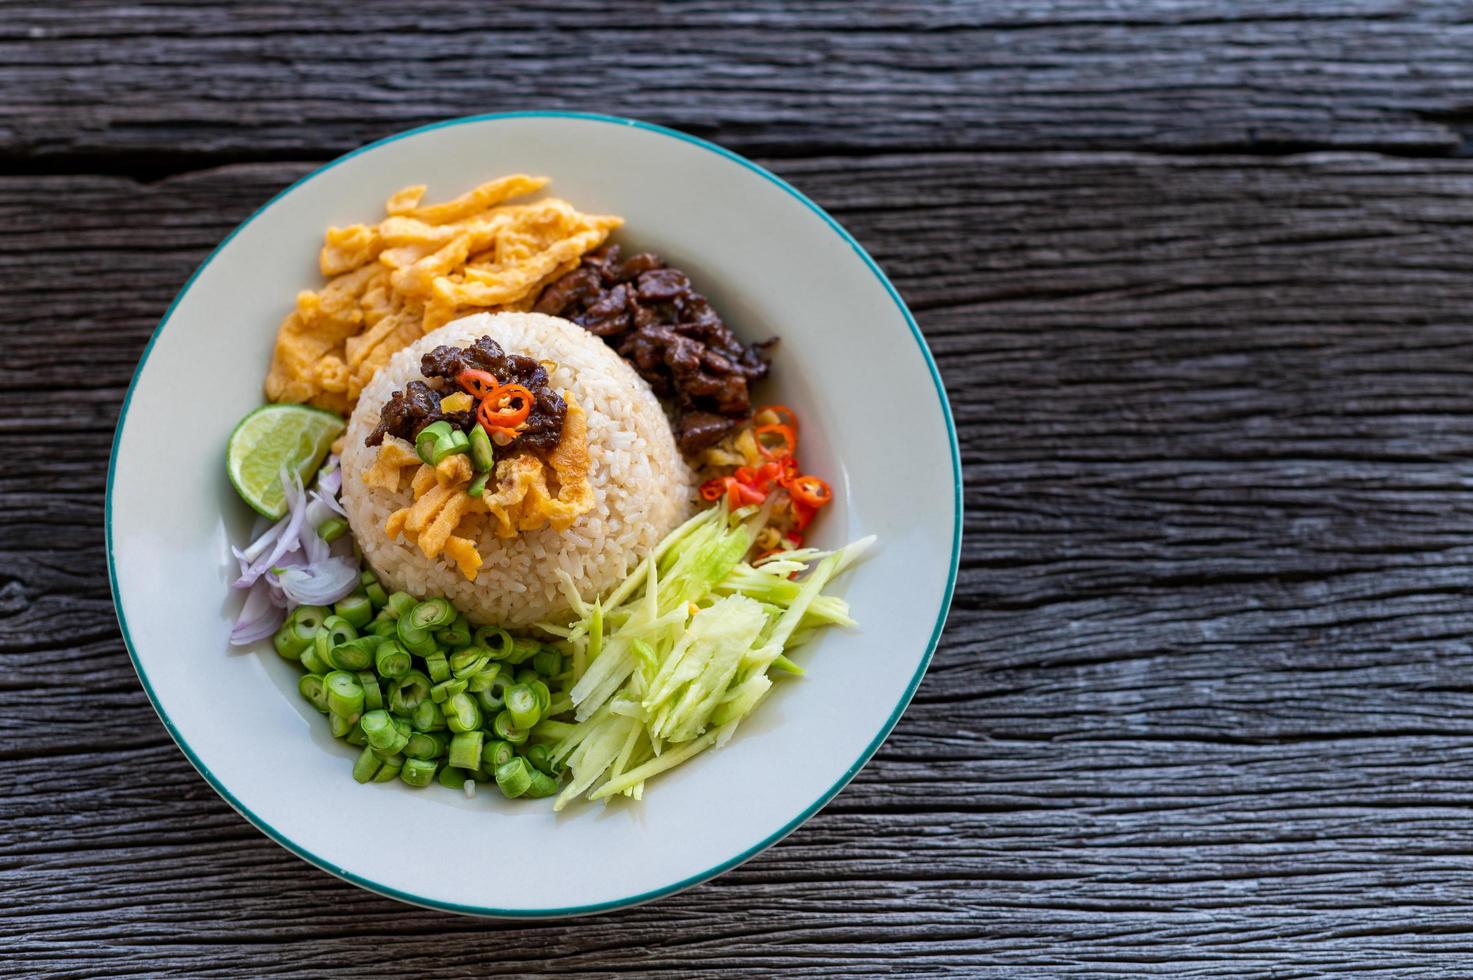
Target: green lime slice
{"x":272,"y":436}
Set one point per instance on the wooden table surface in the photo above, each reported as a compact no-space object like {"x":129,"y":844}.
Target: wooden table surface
{"x":1198,"y":276}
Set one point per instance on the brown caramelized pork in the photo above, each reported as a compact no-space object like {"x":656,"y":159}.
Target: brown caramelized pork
{"x":649,"y":313}
{"x":410,"y":410}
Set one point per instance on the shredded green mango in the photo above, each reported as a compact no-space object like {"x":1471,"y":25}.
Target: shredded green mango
{"x":670,"y":661}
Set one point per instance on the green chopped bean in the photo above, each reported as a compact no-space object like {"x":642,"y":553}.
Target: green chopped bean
{"x":367,"y":766}
{"x":433,"y":614}
{"x":526,"y":675}
{"x":400,"y":603}
{"x":382,"y":732}
{"x":540,"y":755}
{"x":444,"y":690}
{"x":544,"y":696}
{"x":356,"y":609}
{"x":416,"y":639}
{"x":425,"y":745}
{"x":339,"y":725}
{"x":471,"y":660}
{"x":376,"y":595}
{"x":497,"y":641}
{"x":452,"y":778}
{"x":332,"y":529}
{"x":454,"y":444}
{"x":482,"y":679}
{"x":465,"y":749}
{"x":367,"y":578}
{"x":506,"y":729}
{"x":553,"y":731}
{"x":355,"y":736}
{"x":407,"y":692}
{"x":333,"y":632}
{"x":437,"y":666}
{"x":305,"y":621}
{"x":389,"y":771}
{"x":373,"y":694}
{"x":477,"y":486}
{"x":418,"y":773}
{"x":462,"y":714}
{"x":428,"y":438}
{"x":522,"y":707}
{"x":547,"y":662}
{"x":428,"y":717}
{"x":523,"y":650}
{"x":384,"y":626}
{"x":496,"y":752}
{"x":312,"y":688}
{"x":344,"y":694}
{"x":541,"y":785}
{"x":490,"y":704}
{"x":457,"y":634}
{"x":482,"y":455}
{"x":289,"y":643}
{"x":356,"y":654}
{"x":514,"y":777}
{"x":392,"y":660}
{"x":315,"y":664}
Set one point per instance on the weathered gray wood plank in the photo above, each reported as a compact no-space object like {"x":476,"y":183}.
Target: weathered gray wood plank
{"x":154,"y":87}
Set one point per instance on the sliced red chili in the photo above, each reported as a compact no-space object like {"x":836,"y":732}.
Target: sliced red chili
{"x":785,"y":415}
{"x":810,"y":490}
{"x":738,"y":494}
{"x":505,"y":408}
{"x":477,"y":383}
{"x":781,"y":450}
{"x":714,"y":490}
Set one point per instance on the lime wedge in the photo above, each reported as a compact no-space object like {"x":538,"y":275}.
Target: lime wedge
{"x":272,"y":436}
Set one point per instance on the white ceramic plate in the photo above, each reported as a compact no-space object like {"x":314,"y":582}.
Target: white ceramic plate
{"x":875,"y":422}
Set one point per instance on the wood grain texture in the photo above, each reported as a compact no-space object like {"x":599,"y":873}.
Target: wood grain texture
{"x":1202,"y":707}
{"x":158,"y":86}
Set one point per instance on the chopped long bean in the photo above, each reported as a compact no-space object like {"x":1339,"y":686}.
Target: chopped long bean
{"x":344,"y":694}
{"x":497,"y":641}
{"x":436,"y":665}
{"x":314,"y":691}
{"x":418,"y":772}
{"x":433,"y":614}
{"x":373,"y":694}
{"x":400,"y":603}
{"x":424,"y":745}
{"x":367,"y":766}
{"x":382,"y":732}
{"x":541,"y":785}
{"x":505,"y":728}
{"x":457,"y":634}
{"x":514,"y":777}
{"x":465,"y":749}
{"x":392,"y":660}
{"x":447,"y":689}
{"x":522,"y":707}
{"x":428,"y":717}
{"x":356,"y":609}
{"x":462,"y":714}
{"x":496,"y":752}
{"x":407,"y":692}
{"x":417,"y":639}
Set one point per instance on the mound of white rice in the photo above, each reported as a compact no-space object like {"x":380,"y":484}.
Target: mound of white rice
{"x":642,"y":487}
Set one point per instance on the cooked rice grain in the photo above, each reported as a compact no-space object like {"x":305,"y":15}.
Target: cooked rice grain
{"x":642,"y":487}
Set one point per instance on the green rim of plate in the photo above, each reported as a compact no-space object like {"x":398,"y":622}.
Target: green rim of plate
{"x":790,"y":826}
